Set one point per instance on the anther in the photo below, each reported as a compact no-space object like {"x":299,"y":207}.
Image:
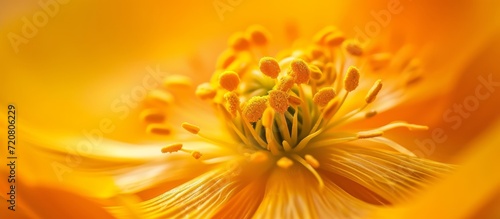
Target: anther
{"x":238,"y":42}
{"x":315,"y":72}
{"x":312,"y":161}
{"x":267,"y":118}
{"x":330,"y":72}
{"x":284,"y":162}
{"x":259,"y":156}
{"x":294,"y":100}
{"x":380,"y":60}
{"x":191,"y":128}
{"x":331,"y":108}
{"x":370,"y":113}
{"x":158,"y":129}
{"x":254,"y":108}
{"x":232,"y":103}
{"x":160,"y":97}
{"x":353,"y":48}
{"x":178,"y":147}
{"x":258,"y":35}
{"x":334,"y":39}
{"x":285,"y":83}
{"x":300,"y":70}
{"x":320,"y":37}
{"x":316,"y":53}
{"x":323,"y":96}
{"x":177,"y":81}
{"x":152,"y":115}
{"x":278,"y":100}
{"x":351,"y":79}
{"x":225,"y":59}
{"x":269,"y":66}
{"x":196,"y":154}
{"x":372,"y":94}
{"x":229,"y":80}
{"x":205,"y":91}
{"x":171,"y":148}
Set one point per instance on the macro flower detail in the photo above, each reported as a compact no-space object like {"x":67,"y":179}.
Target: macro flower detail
{"x":292,"y":144}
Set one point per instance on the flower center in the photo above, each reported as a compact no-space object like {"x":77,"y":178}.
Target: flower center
{"x":280,"y":108}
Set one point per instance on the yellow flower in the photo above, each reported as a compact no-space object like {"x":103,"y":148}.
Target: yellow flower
{"x":125,"y":174}
{"x":285,"y":151}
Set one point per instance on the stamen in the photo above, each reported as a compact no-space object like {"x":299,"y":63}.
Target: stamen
{"x":310,"y":168}
{"x":225,"y":59}
{"x":178,"y":147}
{"x":316,"y":73}
{"x":312,"y":161}
{"x":411,"y":127}
{"x":196,"y":154}
{"x":254,"y":108}
{"x":258,"y":35}
{"x":324,"y":96}
{"x":232,"y":103}
{"x":294,"y":100}
{"x":191,"y":128}
{"x":320,"y":37}
{"x":351,"y":79}
{"x":238,"y":42}
{"x":372,"y":94}
{"x":278,"y":100}
{"x":171,"y":148}
{"x":267,"y":118}
{"x":334,"y":39}
{"x":295,"y":127}
{"x":380,"y":60}
{"x":331,"y":109}
{"x":205,"y":91}
{"x":153,"y":115}
{"x":354,"y":48}
{"x":285,"y":83}
{"x":331,"y":72}
{"x":283,"y":127}
{"x":316,"y":52}
{"x":160,"y":97}
{"x":177,"y":81}
{"x":370,"y":113}
{"x":270,"y":67}
{"x":300,"y":70}
{"x":158,"y":129}
{"x":267,"y":122}
{"x":284,"y":162}
{"x":229,"y":80}
{"x":259,"y":157}
{"x":369,"y":134}
{"x":286,"y":146}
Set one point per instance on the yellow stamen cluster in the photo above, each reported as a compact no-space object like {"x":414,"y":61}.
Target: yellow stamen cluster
{"x":278,"y":108}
